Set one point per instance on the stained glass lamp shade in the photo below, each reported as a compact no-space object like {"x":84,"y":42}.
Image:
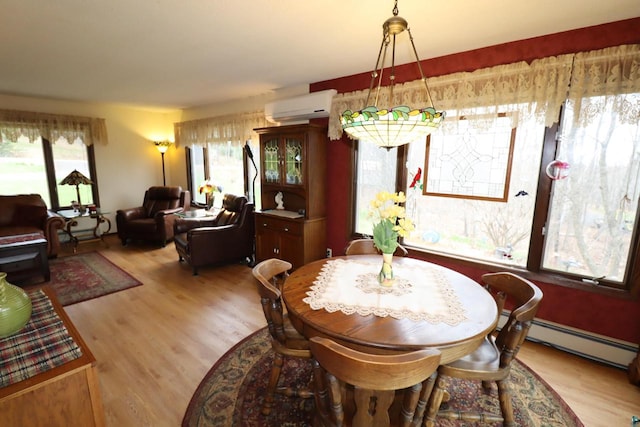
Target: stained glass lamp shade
{"x":391,"y":126}
{"x":76,"y":178}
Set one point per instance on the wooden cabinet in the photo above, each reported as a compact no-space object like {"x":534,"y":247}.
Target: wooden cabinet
{"x":298,"y":241}
{"x":66,"y":395}
{"x":293,"y":163}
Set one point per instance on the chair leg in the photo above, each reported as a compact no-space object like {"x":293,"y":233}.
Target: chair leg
{"x":278,"y":361}
{"x":504,"y":394}
{"x":427,"y":388}
{"x":435,"y":401}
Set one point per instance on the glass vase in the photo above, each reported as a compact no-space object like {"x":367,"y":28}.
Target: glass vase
{"x":385,"y":277}
{"x":210,"y":199}
{"x":15,"y":307}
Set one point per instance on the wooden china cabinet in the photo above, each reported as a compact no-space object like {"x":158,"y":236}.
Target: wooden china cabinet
{"x":293,"y":164}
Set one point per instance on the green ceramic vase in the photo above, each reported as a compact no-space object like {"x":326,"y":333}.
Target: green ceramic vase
{"x":15,"y":307}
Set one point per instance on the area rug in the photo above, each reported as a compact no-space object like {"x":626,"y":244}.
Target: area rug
{"x":85,"y":276}
{"x":232,"y":392}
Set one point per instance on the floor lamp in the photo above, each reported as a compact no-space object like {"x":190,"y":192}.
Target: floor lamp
{"x":162,"y":147}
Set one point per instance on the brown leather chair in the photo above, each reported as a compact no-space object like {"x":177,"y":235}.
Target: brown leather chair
{"x":225,"y":238}
{"x":285,"y":340}
{"x":491,"y":361}
{"x":153,"y":221}
{"x":359,"y":389}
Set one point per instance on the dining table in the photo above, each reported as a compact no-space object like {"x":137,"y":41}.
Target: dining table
{"x":427,"y":306}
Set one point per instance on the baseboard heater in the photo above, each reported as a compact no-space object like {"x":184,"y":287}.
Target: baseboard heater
{"x":599,"y":348}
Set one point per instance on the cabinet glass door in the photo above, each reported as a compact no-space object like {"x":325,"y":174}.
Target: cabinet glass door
{"x":293,"y":161}
{"x":271,"y":163}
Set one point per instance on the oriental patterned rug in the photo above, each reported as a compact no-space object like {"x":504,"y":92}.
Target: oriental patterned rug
{"x":85,"y":276}
{"x":231,"y":393}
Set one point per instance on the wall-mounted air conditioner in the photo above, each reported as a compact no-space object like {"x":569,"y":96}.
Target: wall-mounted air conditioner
{"x":300,"y":108}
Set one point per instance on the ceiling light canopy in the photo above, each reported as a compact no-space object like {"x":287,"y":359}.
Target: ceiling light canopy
{"x":391,"y":126}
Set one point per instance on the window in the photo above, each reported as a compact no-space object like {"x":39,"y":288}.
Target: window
{"x":593,"y":214}
{"x":220,"y":163}
{"x":376,"y":171}
{"x":482,"y":224}
{"x":570,"y":210}
{"x":39,"y":167}
{"x":215,"y":151}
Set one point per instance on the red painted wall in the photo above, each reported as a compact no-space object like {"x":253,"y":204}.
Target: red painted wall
{"x":610,"y":316}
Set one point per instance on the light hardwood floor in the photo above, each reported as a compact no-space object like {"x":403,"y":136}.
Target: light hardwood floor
{"x":154,"y":343}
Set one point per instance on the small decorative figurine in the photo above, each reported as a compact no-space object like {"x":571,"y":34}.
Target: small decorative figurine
{"x":279,"y":201}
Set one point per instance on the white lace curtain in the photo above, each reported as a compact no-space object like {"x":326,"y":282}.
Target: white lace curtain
{"x":235,"y":127}
{"x":606,"y":80}
{"x":524,"y":90}
{"x":53,"y":127}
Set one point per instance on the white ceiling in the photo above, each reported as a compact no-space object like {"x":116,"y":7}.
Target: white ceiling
{"x":188,"y":53}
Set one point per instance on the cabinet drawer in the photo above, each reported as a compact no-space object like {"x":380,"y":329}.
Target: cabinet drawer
{"x":279,"y":225}
{"x":19,"y":262}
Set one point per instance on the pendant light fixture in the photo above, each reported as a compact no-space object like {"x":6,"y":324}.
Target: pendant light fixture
{"x":388,"y":126}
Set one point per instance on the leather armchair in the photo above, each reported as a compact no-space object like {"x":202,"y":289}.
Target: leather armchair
{"x":24,"y":214}
{"x":225,"y":238}
{"x":153,"y":221}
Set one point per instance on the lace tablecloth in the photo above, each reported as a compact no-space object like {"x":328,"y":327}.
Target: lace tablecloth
{"x":420,"y":292}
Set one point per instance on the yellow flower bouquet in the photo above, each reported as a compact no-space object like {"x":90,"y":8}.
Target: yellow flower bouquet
{"x":208,"y":189}
{"x":390,"y":223}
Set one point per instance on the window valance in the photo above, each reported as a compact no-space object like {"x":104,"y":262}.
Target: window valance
{"x":233,"y":127}
{"x":537,"y":89}
{"x":602,"y":80}
{"x":53,"y":127}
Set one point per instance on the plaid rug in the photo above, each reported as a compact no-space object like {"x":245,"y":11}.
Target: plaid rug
{"x":232,"y":392}
{"x":85,"y":276}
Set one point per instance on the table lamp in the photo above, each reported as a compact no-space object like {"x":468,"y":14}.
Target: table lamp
{"x":76,"y":178}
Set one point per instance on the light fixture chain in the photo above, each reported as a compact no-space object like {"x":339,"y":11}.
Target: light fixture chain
{"x":395,"y":8}
{"x":424,"y":79}
{"x":379,"y":65}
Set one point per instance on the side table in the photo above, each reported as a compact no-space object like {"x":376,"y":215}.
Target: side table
{"x":48,"y":376}
{"x":197,"y":214}
{"x":93,"y":234}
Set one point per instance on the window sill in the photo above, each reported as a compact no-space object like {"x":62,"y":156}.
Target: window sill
{"x":544,"y":277}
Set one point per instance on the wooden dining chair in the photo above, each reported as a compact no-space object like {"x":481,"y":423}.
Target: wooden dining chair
{"x":491,"y":362}
{"x":359,"y":389}
{"x":367,"y":247}
{"x":285,"y":340}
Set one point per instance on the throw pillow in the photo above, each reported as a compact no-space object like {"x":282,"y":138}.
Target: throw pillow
{"x":29,"y":215}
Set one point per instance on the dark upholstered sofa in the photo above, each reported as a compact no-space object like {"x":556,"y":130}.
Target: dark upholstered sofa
{"x":227,"y":237}
{"x":25,"y":214}
{"x":153,"y":221}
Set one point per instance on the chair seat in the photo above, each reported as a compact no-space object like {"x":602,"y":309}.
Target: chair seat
{"x":485,"y":358}
{"x":294,"y":338}
{"x":144,"y":225}
{"x":181,"y":240}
